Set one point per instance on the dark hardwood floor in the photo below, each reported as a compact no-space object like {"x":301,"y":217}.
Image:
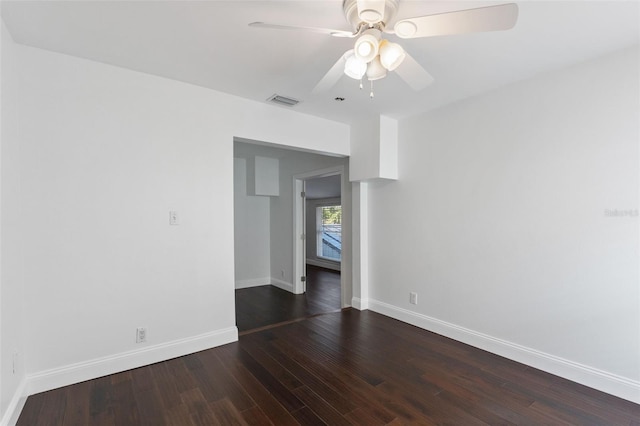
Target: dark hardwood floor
{"x":267,"y":305}
{"x":340,"y":368}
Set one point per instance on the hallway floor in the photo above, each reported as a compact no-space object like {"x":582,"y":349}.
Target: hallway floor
{"x":266,"y":305}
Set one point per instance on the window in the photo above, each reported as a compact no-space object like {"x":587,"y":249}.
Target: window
{"x":329,"y":232}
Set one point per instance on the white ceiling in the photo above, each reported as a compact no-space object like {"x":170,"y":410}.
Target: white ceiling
{"x":208,"y":43}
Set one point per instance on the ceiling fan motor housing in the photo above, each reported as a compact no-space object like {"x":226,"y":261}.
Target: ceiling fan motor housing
{"x":356,"y":21}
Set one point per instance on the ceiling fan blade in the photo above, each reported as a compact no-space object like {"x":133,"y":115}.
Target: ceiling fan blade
{"x":371,"y":11}
{"x":333,"y":75}
{"x":335,"y":33}
{"x":413,"y":74}
{"x":491,"y":18}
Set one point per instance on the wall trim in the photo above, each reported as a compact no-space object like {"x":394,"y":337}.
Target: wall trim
{"x":253,"y":282}
{"x":87,"y":370}
{"x":15,"y":405}
{"x":327,"y":264}
{"x":282,"y":285}
{"x":592,"y":377}
{"x":360,"y":304}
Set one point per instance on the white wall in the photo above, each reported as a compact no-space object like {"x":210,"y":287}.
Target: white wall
{"x":311,"y":233}
{"x":104,"y":155}
{"x":360,"y":250}
{"x":11,"y":279}
{"x":365,"y":153}
{"x":374,"y":148}
{"x":262,"y":176}
{"x":251,"y":232}
{"x":498,"y":223}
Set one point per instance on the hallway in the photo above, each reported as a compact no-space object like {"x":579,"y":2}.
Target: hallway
{"x":258,"y":307}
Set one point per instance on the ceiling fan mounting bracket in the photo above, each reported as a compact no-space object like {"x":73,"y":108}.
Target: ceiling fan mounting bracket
{"x":363,"y":26}
{"x":350,"y":8}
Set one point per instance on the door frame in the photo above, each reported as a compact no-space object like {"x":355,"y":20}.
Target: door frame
{"x":299,"y":227}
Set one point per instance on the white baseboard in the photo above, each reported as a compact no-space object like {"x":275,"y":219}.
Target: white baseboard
{"x":360,"y":304}
{"x":282,"y":284}
{"x":79,"y":372}
{"x":254,"y":282}
{"x":15,"y":406}
{"x":601,"y":380}
{"x":335,"y":266}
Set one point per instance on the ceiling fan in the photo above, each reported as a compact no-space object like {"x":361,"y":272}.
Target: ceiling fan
{"x":373,"y":56}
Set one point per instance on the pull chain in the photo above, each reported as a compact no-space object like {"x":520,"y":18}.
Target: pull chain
{"x":360,"y":84}
{"x":371,"y":94}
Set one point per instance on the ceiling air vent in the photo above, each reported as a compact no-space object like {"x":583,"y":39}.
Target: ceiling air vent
{"x":283,"y":100}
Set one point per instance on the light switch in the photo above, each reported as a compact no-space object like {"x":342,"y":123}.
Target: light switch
{"x":173,"y":218}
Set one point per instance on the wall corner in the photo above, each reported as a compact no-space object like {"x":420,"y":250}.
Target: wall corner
{"x":374,"y":149}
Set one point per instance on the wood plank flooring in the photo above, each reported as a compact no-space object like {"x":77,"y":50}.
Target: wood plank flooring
{"x":341,"y":368}
{"x":266,"y":305}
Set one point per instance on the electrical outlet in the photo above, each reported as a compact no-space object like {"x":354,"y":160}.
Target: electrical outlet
{"x":173,"y":218}
{"x":141,"y":335}
{"x":413,"y":298}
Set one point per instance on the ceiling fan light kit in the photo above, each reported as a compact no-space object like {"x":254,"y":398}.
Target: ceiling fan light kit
{"x":368,"y":44}
{"x":354,"y":67}
{"x":374,"y":56}
{"x":375,"y":70}
{"x":391,"y":55}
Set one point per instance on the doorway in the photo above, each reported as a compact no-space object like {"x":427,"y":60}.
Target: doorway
{"x":269,"y":264}
{"x":318,"y":225}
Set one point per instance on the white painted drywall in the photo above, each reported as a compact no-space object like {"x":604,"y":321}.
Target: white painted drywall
{"x":312,"y":236}
{"x":104,"y":154}
{"x":498,"y":218}
{"x":301,"y":131}
{"x":388,"y":148}
{"x":365,"y":142}
{"x":374,"y":148}
{"x":251,"y":232}
{"x":11,"y":266}
{"x":112,"y":153}
{"x":262,"y":176}
{"x":360,"y":251}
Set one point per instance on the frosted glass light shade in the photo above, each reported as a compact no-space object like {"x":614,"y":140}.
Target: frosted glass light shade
{"x":355,"y":67}
{"x":375,"y":70}
{"x":391,"y":55}
{"x":366,"y":47}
